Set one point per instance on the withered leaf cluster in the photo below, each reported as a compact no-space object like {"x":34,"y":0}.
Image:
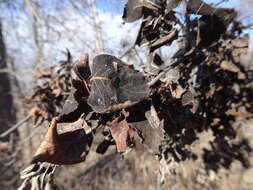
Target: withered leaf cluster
{"x":52,"y":88}
{"x":108,"y":87}
{"x":205,"y":85}
{"x":38,"y":177}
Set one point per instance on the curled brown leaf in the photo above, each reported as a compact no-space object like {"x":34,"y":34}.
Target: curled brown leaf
{"x":123,"y":133}
{"x":67,"y":148}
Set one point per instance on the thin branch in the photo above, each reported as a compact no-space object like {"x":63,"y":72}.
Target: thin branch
{"x":34,"y":12}
{"x":8,"y":71}
{"x":246,"y":16}
{"x":247,"y":26}
{"x":164,"y":71}
{"x":19,"y":124}
{"x":138,"y":56}
{"x":151,"y":83}
{"x":126,"y":52}
{"x":97,"y":26}
{"x":220,"y":2}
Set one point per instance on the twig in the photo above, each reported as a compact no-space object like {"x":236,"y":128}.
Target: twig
{"x":138,"y":56}
{"x":34,"y":12}
{"x":151,"y":83}
{"x":247,"y":26}
{"x":91,"y":129}
{"x":246,"y":16}
{"x":164,"y":70}
{"x":19,"y":124}
{"x":222,"y":1}
{"x":126,"y":52}
{"x":200,"y":7}
{"x":8,"y":71}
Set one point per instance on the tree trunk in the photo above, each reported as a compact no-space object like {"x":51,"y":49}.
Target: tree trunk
{"x":7,"y":116}
{"x":96,"y":26}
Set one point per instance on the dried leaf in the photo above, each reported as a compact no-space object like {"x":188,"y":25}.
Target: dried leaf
{"x":133,"y":11}
{"x":176,"y":91}
{"x":81,"y":67}
{"x":57,"y":92}
{"x":103,"y":146}
{"x":207,"y":33}
{"x":4,"y":146}
{"x":120,"y":87}
{"x":152,"y":137}
{"x":125,"y":135}
{"x":229,"y":66}
{"x":164,"y":40}
{"x":74,"y":106}
{"x":226,"y":16}
{"x":37,"y":177}
{"x":68,"y":148}
{"x":172,"y":4}
{"x":69,"y":127}
{"x":45,"y":73}
{"x":240,"y":115}
{"x":153,"y":118}
{"x":38,"y":112}
{"x":52,"y":90}
{"x":157,"y":30}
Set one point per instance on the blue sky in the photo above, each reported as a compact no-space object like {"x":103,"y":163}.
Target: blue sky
{"x":115,"y":6}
